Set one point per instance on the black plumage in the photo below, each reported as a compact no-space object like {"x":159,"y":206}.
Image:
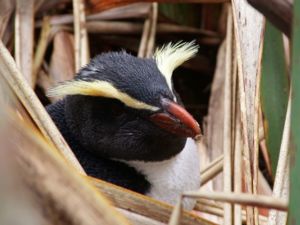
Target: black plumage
{"x":106,"y":169}
{"x":104,"y":132}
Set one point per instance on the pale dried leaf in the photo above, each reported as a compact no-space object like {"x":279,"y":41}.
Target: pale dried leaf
{"x":62,"y":65}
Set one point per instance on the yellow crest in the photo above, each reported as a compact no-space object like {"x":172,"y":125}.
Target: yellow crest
{"x":171,"y":56}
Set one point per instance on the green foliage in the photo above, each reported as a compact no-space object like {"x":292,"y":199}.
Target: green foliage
{"x":184,"y":14}
{"x":274,"y":90}
{"x":295,"y":120}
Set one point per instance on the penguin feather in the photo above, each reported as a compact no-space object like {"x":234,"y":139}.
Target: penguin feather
{"x":98,"y":88}
{"x":171,"y":56}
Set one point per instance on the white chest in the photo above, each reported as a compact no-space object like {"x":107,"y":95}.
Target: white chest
{"x":171,"y":177}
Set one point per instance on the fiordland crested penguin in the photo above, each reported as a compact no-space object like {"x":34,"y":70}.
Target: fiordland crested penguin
{"x":125,"y":123}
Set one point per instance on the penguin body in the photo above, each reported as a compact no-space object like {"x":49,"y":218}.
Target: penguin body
{"x":115,"y":172}
{"x":169,"y":178}
{"x":126,"y":125}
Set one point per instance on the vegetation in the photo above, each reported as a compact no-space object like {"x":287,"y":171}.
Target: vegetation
{"x":241,"y":87}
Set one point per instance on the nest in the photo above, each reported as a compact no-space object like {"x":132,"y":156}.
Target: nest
{"x":223,"y":87}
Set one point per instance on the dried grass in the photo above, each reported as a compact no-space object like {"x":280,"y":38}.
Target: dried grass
{"x":233,"y":190}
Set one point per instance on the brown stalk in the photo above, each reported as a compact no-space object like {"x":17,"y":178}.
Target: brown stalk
{"x":10,"y":72}
{"x":149,"y":33}
{"x":136,"y":10}
{"x":236,"y":140}
{"x":152,"y":33}
{"x":211,"y":210}
{"x":210,"y":203}
{"x":211,"y":172}
{"x":62,"y":65}
{"x":215,"y":163}
{"x":237,"y":163}
{"x":144,"y":39}
{"x":45,"y":83}
{"x":248,"y":55}
{"x":263,"y":144}
{"x":99,"y":5}
{"x":143,"y":205}
{"x":176,"y":214}
{"x":6,"y":11}
{"x":108,"y":27}
{"x":24,"y":38}
{"x":59,"y":194}
{"x":227,"y":169}
{"x":241,"y":198}
{"x":218,"y":211}
{"x":120,"y":27}
{"x":41,"y":48}
{"x":137,"y":219}
{"x":215,"y":124}
{"x":81,"y":47}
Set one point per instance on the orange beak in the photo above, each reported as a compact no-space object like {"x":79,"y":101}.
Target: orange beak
{"x":176,"y":120}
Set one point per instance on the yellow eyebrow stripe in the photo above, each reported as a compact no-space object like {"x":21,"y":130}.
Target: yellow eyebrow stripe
{"x":98,"y":88}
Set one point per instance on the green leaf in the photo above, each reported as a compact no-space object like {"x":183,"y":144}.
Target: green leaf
{"x":184,"y":14}
{"x":274,"y":90}
{"x":294,"y":208}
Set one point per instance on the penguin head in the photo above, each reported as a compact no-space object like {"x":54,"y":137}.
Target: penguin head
{"x":124,"y":107}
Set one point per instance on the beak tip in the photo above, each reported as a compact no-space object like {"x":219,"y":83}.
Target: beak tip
{"x":197,"y":130}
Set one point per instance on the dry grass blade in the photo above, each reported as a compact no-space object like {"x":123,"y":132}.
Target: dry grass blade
{"x":210,"y":210}
{"x":152,"y":33}
{"x":10,"y":72}
{"x":62,"y":66}
{"x":248,"y":55}
{"x":237,"y":164}
{"x":227,"y":169}
{"x":121,"y":27}
{"x":137,"y":10}
{"x":218,"y":211}
{"x":52,"y":184}
{"x":45,"y":83}
{"x":115,"y":27}
{"x":144,"y":39}
{"x":6,"y":10}
{"x":176,"y":214}
{"x":263,"y":144}
{"x":136,"y":219}
{"x":41,"y":48}
{"x":143,"y":205}
{"x":24,"y":37}
{"x":149,"y":32}
{"x":282,"y":166}
{"x":241,"y":198}
{"x":215,"y":119}
{"x":213,"y":164}
{"x":82,"y":52}
{"x":210,"y":203}
{"x":211,"y":170}
{"x":99,"y":5}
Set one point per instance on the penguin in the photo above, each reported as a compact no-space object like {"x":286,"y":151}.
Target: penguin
{"x":127,"y":125}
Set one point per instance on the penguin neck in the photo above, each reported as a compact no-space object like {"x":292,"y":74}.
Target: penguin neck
{"x":169,"y":178}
